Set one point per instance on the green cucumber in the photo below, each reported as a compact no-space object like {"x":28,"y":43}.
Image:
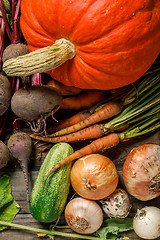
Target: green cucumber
{"x":48,"y":202}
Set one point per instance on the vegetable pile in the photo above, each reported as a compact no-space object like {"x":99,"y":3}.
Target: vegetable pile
{"x":61,"y":83}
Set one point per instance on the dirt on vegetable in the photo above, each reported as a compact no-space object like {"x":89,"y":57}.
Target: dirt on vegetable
{"x":5,"y":94}
{"x":4,"y":155}
{"x":36,"y":104}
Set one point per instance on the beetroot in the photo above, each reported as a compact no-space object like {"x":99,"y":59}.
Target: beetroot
{"x":4,"y":155}
{"x":36,"y":104}
{"x":5,"y":94}
{"x":20,"y":146}
{"x":14,"y":50}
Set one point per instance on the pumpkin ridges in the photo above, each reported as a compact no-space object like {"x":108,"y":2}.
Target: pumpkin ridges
{"x":121,"y":69}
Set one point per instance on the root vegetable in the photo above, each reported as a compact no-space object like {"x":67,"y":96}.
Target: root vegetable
{"x":64,"y":90}
{"x":4,"y":155}
{"x":5,"y":94}
{"x":36,"y":104}
{"x":117,"y":205}
{"x":94,"y":177}
{"x":14,"y":50}
{"x":83,"y":100}
{"x":141,"y":172}
{"x":146,"y":222}
{"x":83,"y":215}
{"x":20,"y":146}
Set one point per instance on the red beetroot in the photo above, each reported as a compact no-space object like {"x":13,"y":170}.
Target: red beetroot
{"x":20,"y":146}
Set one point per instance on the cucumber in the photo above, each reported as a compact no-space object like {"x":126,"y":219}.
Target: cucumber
{"x":48,"y":202}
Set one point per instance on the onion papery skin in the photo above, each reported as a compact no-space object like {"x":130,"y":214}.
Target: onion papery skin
{"x":141,"y":172}
{"x":79,"y":214}
{"x":94,"y":177}
{"x":146,"y":222}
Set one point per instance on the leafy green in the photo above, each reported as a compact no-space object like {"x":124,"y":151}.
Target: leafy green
{"x":112,"y":227}
{"x":8,"y":206}
{"x":5,"y":191}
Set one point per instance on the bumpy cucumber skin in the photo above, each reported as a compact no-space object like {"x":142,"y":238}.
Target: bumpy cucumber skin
{"x":46,"y":204}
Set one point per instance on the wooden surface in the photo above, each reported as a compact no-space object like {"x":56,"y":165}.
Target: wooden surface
{"x":117,"y":154}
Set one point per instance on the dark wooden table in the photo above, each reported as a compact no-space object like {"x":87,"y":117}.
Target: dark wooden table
{"x":117,"y":154}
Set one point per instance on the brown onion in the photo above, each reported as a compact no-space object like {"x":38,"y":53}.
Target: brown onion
{"x":141,"y":172}
{"x":94,"y":177}
{"x":83,"y":215}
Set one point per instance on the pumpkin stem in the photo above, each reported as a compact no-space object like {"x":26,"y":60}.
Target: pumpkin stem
{"x":41,"y":60}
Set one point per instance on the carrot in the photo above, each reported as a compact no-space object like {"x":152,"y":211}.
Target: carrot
{"x":94,"y":131}
{"x":69,"y":121}
{"x":83,"y":100}
{"x":78,"y":117}
{"x":109,"y":110}
{"x":97,"y":145}
{"x":64,"y":90}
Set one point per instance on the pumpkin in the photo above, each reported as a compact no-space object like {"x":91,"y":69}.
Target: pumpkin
{"x":115,"y":41}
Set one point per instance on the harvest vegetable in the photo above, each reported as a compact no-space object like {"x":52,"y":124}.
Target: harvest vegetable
{"x":5,"y":94}
{"x":94,"y":177}
{"x":103,"y":56}
{"x":112,"y":139}
{"x":117,"y":205}
{"x":20,"y":146}
{"x":64,"y":90}
{"x":47,"y":202}
{"x":112,"y":227}
{"x":146,"y":106}
{"x":36,"y":104}
{"x":8,"y":206}
{"x":14,"y":50}
{"x":133,"y":103}
{"x":4,"y":155}
{"x":146,"y":222}
{"x":107,"y":111}
{"x":84,"y":114}
{"x":78,"y":117}
{"x":141,"y":172}
{"x":84,"y":100}
{"x":79,"y":214}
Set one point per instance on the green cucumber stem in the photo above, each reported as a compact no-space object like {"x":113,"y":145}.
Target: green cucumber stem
{"x":49,"y":232}
{"x":41,"y":60}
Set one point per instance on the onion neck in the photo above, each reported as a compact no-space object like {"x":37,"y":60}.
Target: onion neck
{"x":88,"y":184}
{"x":41,"y":60}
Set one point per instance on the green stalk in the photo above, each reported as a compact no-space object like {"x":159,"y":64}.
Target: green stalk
{"x":143,"y":86}
{"x":48,"y":232}
{"x":141,"y":128}
{"x":141,"y":111}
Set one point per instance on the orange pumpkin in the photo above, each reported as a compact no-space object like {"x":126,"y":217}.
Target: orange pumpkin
{"x":116,"y":41}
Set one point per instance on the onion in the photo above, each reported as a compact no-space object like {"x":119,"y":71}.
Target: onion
{"x":94,"y":177}
{"x":141,"y":172}
{"x":83,"y":215}
{"x":146,"y":222}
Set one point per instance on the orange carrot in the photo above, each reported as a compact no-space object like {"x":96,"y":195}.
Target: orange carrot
{"x":94,"y":131}
{"x":84,"y":100}
{"x":64,"y":90}
{"x":109,"y":110}
{"x":69,"y":121}
{"x":97,"y":145}
{"x":78,"y":117}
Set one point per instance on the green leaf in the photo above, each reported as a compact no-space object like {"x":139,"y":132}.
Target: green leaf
{"x":112,"y":227}
{"x":8,"y":207}
{"x":5,"y":191}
